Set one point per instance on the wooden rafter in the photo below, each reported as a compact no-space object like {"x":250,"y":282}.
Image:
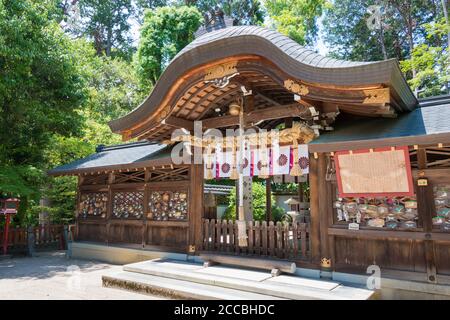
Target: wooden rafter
{"x":291,"y":110}
{"x":193,"y":99}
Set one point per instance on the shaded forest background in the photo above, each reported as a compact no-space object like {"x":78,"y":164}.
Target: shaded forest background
{"x":67,"y":67}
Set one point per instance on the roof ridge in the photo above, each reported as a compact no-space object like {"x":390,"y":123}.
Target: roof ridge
{"x":101,"y":147}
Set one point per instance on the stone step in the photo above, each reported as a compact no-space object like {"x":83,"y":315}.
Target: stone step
{"x":286,"y":287}
{"x":149,"y":284}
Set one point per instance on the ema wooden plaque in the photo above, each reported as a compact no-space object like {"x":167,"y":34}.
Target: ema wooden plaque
{"x":374,"y":173}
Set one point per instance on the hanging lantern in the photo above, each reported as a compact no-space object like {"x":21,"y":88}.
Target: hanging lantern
{"x":234,"y":109}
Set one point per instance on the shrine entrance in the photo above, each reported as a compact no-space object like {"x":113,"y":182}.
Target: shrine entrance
{"x":271,"y":84}
{"x":250,"y":105}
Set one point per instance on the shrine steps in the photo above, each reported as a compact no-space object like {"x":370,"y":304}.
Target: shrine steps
{"x":188,"y":280}
{"x":177,"y":289}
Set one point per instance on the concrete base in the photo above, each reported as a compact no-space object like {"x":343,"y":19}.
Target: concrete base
{"x":391,"y":287}
{"x":116,"y":254}
{"x":396,"y":289}
{"x":180,"y":278}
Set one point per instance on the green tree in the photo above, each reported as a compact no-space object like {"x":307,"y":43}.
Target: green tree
{"x":295,"y":18}
{"x":41,"y":94}
{"x":402,"y":30}
{"x":112,"y":92}
{"x":142,"y":5}
{"x":243,"y":12}
{"x":164,"y":33}
{"x":107,"y":24}
{"x":259,"y":204}
{"x":431,"y":63}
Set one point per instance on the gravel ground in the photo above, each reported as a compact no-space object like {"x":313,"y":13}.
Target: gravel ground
{"x":52,"y":276}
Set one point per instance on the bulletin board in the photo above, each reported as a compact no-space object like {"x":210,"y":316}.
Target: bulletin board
{"x":374,"y":173}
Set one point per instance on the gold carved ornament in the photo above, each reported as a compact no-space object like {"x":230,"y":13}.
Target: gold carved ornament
{"x":295,"y":87}
{"x":221,"y":74}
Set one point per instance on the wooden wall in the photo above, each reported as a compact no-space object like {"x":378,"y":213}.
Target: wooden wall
{"x":144,"y":230}
{"x":425,"y":250}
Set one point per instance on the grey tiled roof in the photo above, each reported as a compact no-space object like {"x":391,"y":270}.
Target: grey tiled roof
{"x":284,"y":43}
{"x":429,"y":119}
{"x":125,"y":154}
{"x":217,"y":189}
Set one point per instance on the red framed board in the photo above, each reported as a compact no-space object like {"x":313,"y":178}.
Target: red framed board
{"x":381,"y":172}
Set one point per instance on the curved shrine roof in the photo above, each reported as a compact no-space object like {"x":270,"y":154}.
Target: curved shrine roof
{"x":293,"y":59}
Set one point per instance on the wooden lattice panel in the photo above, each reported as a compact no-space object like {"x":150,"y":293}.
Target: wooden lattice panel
{"x":93,"y":204}
{"x":170,"y":174}
{"x":128,"y":205}
{"x":124,"y":177}
{"x":168,"y":205}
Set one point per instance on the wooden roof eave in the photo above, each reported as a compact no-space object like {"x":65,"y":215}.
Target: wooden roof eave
{"x":166,"y":161}
{"x":256,"y":44}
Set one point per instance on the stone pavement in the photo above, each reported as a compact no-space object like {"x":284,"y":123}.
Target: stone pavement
{"x":52,"y":276}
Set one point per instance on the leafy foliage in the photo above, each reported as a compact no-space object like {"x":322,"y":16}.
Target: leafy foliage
{"x":243,"y":12}
{"x":107,"y":24}
{"x":410,"y":30}
{"x":164,"y":33}
{"x":259,"y":204}
{"x":295,"y":18}
{"x":432,"y":63}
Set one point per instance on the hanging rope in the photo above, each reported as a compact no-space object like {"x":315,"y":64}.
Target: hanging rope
{"x":234,"y":175}
{"x":264,"y":171}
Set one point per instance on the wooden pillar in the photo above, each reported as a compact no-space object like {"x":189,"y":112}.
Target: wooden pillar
{"x":426,"y":210}
{"x":325,"y":204}
{"x":195,"y":207}
{"x":314,"y":209}
{"x":111,"y":178}
{"x":268,"y":200}
{"x":248,"y":198}
{"x":147,"y":177}
{"x":80,"y":182}
{"x":300,"y":191}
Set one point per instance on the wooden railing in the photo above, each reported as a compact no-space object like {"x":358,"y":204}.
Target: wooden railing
{"x":48,"y":236}
{"x":281,"y":240}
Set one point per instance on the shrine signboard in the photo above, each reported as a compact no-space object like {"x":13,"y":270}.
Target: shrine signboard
{"x":383,"y":172}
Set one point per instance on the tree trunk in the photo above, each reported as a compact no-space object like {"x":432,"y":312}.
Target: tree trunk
{"x":444,"y":9}
{"x":108,"y":42}
{"x":383,"y":46}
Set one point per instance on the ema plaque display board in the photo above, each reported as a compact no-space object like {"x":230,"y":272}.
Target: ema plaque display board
{"x":374,"y":173}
